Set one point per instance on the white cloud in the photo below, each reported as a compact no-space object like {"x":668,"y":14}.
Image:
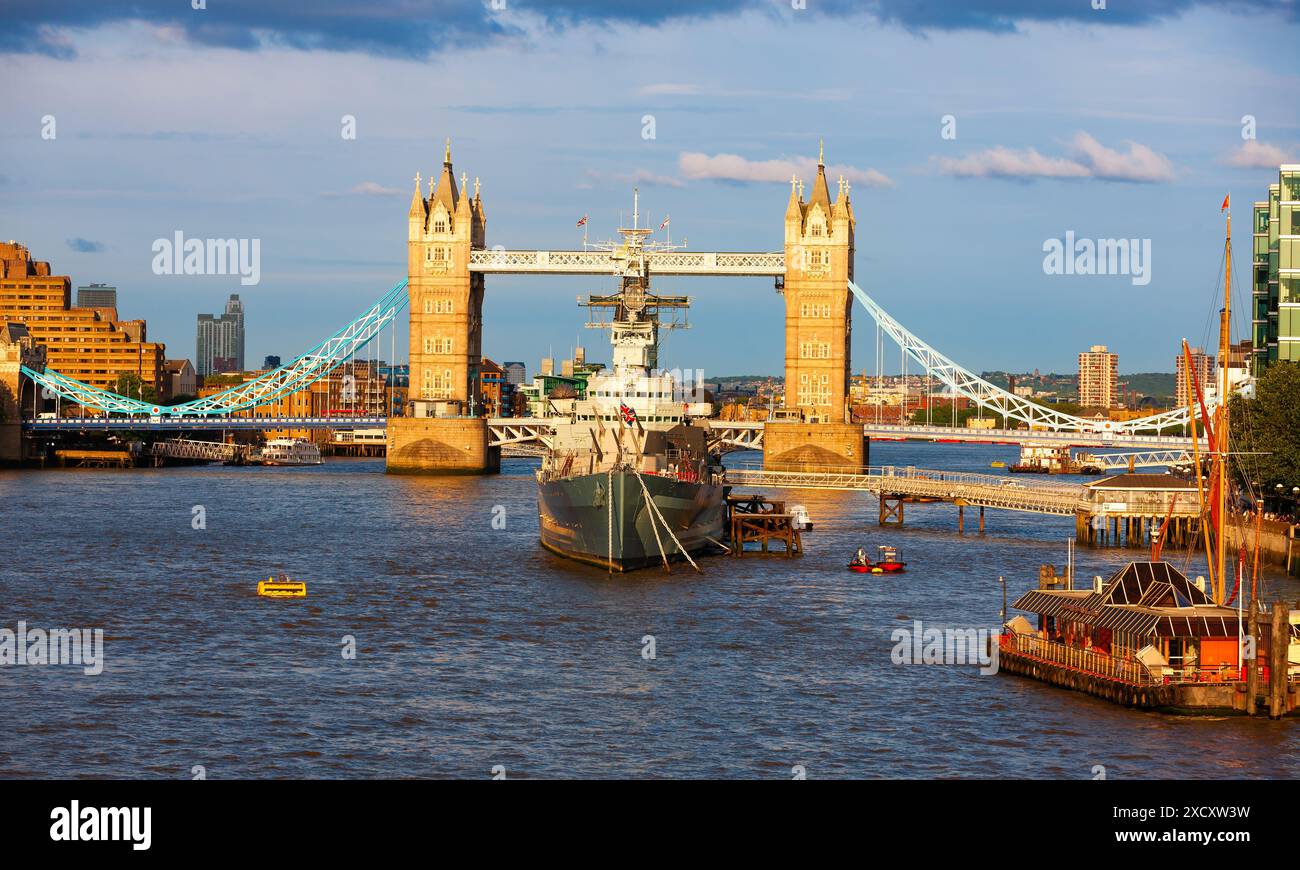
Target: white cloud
{"x":1000,"y":162}
{"x":1087,"y":158}
{"x":1139,"y":163}
{"x":365,"y":188}
{"x":637,"y":176}
{"x":733,"y":167}
{"x":373,"y":188}
{"x":670,"y":89}
{"x":1257,"y":155}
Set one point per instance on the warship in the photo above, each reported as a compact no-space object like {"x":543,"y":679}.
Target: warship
{"x":628,"y":480}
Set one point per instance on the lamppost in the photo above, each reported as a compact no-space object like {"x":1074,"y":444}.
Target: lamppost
{"x":1282,"y":495}
{"x":1003,"y":581}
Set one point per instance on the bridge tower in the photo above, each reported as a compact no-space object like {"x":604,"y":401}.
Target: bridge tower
{"x":818,"y":305}
{"x":819,"y":251}
{"x":17,"y":349}
{"x":442,"y":431}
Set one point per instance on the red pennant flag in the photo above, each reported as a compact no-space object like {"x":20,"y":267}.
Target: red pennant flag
{"x":1223,"y":207}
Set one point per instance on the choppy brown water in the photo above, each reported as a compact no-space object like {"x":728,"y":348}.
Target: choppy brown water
{"x":476,"y":648}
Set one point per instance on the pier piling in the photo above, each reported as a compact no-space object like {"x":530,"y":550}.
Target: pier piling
{"x":1252,"y":663}
{"x":1278,"y":663}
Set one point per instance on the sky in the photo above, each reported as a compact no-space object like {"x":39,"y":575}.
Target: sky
{"x":972,"y":133}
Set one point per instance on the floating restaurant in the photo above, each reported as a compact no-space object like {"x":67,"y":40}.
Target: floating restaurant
{"x":1150,"y":637}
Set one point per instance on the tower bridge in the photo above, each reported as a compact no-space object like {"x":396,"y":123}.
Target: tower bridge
{"x":448,"y":260}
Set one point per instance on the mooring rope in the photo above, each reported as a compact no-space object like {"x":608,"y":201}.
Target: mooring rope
{"x":718,"y":543}
{"x":655,"y":510}
{"x":654,"y":528}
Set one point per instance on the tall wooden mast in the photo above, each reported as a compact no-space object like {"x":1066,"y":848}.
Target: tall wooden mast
{"x":1221,"y":430}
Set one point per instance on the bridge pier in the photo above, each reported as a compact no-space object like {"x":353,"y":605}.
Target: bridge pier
{"x":793,"y":446}
{"x":887,"y":511}
{"x":441,"y":445}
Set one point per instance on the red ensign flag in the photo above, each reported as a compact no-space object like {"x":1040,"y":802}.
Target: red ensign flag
{"x":583,"y":221}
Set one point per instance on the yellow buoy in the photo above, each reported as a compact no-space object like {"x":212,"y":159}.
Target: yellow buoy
{"x":282,"y":588}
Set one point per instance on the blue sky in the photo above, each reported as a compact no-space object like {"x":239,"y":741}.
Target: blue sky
{"x":225,"y":122}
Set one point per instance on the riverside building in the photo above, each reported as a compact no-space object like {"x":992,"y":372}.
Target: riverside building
{"x":90,"y":345}
{"x":1275,"y":287}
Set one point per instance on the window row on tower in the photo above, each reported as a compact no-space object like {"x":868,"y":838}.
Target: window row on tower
{"x":433,"y":305}
{"x":814,"y":350}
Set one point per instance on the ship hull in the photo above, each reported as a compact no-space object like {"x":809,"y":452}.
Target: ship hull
{"x":603,"y":519}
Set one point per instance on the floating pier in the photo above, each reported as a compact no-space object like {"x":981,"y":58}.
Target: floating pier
{"x":1151,"y":638}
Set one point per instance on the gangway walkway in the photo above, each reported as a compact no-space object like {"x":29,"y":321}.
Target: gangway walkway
{"x":208,"y":451}
{"x":977,"y":490}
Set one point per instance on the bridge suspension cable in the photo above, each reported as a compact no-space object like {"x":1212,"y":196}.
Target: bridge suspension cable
{"x":274,"y":384}
{"x":986,"y":395}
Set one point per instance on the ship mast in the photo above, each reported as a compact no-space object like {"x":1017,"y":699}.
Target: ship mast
{"x":1221,"y":428}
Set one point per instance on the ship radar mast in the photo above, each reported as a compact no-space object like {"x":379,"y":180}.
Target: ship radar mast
{"x":633,"y":314}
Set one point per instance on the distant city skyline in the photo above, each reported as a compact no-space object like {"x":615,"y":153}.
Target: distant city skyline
{"x":951,"y":228}
{"x":220,"y":340}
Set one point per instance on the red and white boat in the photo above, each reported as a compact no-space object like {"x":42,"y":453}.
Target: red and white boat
{"x":888,"y":562}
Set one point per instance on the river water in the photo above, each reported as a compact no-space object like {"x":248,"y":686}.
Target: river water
{"x":477,"y":651}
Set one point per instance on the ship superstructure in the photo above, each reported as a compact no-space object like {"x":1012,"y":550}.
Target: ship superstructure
{"x":628,"y":480}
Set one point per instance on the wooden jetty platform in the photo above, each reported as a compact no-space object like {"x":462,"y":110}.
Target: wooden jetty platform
{"x":96,"y":458}
{"x":756,"y":519}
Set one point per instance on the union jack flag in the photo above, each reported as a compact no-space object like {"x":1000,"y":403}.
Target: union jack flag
{"x":629,"y":416}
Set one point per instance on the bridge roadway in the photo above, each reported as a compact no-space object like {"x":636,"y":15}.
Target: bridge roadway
{"x":1044,"y":438}
{"x":215,"y":423}
{"x":516,"y":430}
{"x":750,"y":434}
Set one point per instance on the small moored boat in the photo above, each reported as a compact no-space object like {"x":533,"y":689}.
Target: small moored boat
{"x":799,"y":518}
{"x":288,"y":451}
{"x":889,"y":563}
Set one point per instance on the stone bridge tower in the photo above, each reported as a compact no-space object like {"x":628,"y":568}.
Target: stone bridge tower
{"x":818,"y":332}
{"x":446,"y":298}
{"x":17,"y":349}
{"x":443,"y":431}
{"x":818,"y":304}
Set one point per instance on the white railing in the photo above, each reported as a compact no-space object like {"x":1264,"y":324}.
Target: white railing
{"x":596,"y":262}
{"x":978,"y":490}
